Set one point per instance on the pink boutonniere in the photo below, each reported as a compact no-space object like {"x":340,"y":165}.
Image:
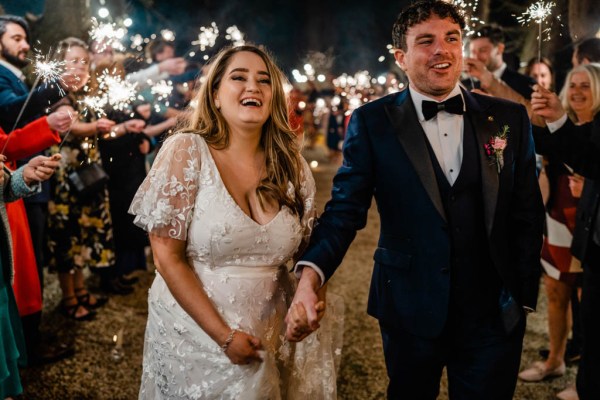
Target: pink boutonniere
{"x":494,"y":149}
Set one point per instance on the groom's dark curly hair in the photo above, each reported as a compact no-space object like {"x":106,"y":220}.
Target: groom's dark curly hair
{"x":422,"y":11}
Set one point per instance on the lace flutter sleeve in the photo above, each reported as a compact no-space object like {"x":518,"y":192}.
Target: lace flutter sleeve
{"x":164,"y":202}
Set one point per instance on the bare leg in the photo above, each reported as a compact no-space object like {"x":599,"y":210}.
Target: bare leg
{"x":559,"y":323}
{"x":67,"y":285}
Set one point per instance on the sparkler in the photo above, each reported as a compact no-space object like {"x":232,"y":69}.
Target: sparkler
{"x":235,"y":35}
{"x":538,"y":13}
{"x":115,"y":91}
{"x":207,"y":36}
{"x":469,"y":9}
{"x":106,"y":34}
{"x":46,"y":69}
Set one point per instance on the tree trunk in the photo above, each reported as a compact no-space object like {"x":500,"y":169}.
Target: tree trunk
{"x":61,"y":19}
{"x":584,"y":19}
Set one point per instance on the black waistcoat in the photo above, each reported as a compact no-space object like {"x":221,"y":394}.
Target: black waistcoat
{"x":475,"y":284}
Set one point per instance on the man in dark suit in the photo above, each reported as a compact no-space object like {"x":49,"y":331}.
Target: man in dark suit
{"x":486,"y":64}
{"x":457,"y":263}
{"x":579,"y":147}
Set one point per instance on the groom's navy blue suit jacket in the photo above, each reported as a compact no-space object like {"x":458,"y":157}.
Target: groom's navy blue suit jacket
{"x":386,"y":156}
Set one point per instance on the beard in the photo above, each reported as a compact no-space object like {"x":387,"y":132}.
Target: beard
{"x":12,"y":59}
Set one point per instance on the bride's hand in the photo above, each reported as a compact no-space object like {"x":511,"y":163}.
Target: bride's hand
{"x":243,"y":349}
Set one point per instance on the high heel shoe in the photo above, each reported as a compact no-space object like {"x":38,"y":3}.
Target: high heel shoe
{"x":84,"y":297}
{"x":70,"y":310}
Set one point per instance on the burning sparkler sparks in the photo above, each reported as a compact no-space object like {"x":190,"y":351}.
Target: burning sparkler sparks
{"x":161,"y":89}
{"x":235,"y":35}
{"x":469,"y":9}
{"x":538,"y":13}
{"x":47,"y":69}
{"x":107,"y":34}
{"x":207,"y":36}
{"x":114,"y":92}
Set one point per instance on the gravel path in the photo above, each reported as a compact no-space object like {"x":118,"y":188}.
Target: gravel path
{"x":93,"y":374}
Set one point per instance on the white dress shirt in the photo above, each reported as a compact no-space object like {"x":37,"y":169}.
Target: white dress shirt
{"x":444,"y":132}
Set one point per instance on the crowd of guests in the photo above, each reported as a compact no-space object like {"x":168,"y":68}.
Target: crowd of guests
{"x":68,"y":228}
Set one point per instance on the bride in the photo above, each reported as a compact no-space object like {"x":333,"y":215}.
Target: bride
{"x":228,"y":201}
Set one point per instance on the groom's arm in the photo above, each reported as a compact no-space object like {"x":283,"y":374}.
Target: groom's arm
{"x":526,"y":218}
{"x":344,"y":214}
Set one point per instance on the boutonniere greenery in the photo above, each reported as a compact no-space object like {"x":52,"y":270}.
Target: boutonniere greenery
{"x":494,"y":148}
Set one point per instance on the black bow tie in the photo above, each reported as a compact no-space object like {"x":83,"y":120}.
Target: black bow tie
{"x":453,"y":105}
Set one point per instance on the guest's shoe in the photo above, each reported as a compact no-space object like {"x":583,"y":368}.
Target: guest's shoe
{"x":85,"y":299}
{"x":537,"y":372}
{"x":569,"y":393}
{"x":70,"y":310}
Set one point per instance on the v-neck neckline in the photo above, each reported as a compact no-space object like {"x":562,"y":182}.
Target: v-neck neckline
{"x":228,"y":193}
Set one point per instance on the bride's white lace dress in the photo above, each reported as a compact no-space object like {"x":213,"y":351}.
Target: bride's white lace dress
{"x":240,"y":264}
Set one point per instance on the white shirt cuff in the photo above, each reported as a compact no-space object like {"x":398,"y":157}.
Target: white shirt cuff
{"x":556,"y":125}
{"x":301,"y":264}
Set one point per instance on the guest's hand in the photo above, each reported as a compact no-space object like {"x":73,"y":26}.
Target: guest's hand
{"x":576,"y":185}
{"x":60,"y":121}
{"x":40,"y":168}
{"x":134,"y":125}
{"x":173,"y":66}
{"x":144,"y":147}
{"x":477,"y":69}
{"x":244,"y":348}
{"x":546,"y":104}
{"x":2,"y":160}
{"x":104,"y":125}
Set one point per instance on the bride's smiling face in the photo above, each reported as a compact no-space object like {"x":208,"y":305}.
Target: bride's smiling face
{"x":244,"y":93}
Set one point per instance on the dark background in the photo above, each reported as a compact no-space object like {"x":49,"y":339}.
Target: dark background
{"x":352,"y":34}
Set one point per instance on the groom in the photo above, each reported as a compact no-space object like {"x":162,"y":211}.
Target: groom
{"x":457,"y":263}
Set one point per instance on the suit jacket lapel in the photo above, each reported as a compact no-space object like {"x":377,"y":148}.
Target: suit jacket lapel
{"x":412,"y":137}
{"x":485,"y":127}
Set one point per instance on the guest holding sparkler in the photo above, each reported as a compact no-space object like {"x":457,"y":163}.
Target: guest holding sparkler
{"x":80,"y":226}
{"x":581,"y":99}
{"x":23,"y":182}
{"x":488,"y":67}
{"x":123,"y":157}
{"x":19,"y":106}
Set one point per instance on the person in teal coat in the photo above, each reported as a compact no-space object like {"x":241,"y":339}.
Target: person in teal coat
{"x":23,"y":182}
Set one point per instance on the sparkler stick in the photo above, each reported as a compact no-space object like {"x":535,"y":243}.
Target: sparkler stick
{"x":538,"y":13}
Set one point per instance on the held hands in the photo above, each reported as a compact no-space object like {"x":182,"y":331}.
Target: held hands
{"x":243,"y":348}
{"x":40,"y":168}
{"x":546,"y":104}
{"x":307,"y":309}
{"x":60,"y":121}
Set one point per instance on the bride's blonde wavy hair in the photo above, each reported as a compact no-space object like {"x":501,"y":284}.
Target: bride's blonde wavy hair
{"x":278,"y":140}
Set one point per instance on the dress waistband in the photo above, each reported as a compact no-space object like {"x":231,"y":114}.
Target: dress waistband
{"x":238,"y":271}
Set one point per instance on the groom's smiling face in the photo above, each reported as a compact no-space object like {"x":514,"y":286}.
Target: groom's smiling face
{"x":433,"y":57}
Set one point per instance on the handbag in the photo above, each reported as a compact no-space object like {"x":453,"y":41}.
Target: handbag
{"x":88,"y":179}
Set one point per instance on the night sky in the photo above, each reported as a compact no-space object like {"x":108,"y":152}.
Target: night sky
{"x":353,"y":33}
